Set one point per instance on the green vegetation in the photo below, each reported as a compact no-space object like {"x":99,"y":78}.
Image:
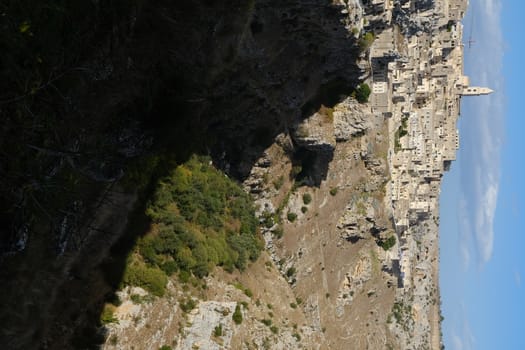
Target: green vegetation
{"x":291,"y":216}
{"x":108,"y":314}
{"x":291,"y":271}
{"x":388,"y":243}
{"x":333,"y":191}
{"x":200,"y":219}
{"x":187,"y":304}
{"x":266,"y":322}
{"x":304,"y":209}
{"x":400,"y":132}
{"x":152,"y":279}
{"x":307,"y":198}
{"x":365,"y":41}
{"x":217,"y":331}
{"x":247,"y":291}
{"x":362,"y":93}
{"x":165,"y":347}
{"x":397,"y":311}
{"x":401,"y":313}
{"x":237,"y":315}
{"x":136,"y":298}
{"x":267,"y":219}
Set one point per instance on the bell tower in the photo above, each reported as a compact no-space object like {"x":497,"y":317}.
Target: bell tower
{"x":476,"y":91}
{"x":463,"y":88}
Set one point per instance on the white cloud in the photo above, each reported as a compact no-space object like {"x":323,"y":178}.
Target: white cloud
{"x":482,"y":134}
{"x":457,"y":343}
{"x":465,"y":233}
{"x":485,"y":220}
{"x":462,"y":338}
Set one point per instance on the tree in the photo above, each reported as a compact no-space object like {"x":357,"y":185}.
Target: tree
{"x":388,"y":243}
{"x":307,"y":198}
{"x":366,"y":41}
{"x":362,"y":93}
{"x":237,"y":315}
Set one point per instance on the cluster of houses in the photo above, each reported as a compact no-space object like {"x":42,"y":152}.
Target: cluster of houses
{"x":417,"y":82}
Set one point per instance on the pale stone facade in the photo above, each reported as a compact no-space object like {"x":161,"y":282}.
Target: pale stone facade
{"x":417,"y":82}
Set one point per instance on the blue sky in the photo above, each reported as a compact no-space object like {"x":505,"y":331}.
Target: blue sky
{"x":482,"y":223}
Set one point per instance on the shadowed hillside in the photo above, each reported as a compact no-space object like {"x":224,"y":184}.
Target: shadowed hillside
{"x":101,"y":99}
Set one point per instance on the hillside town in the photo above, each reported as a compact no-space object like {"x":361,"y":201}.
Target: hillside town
{"x":417,"y":82}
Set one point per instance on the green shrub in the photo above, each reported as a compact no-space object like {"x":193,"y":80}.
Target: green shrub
{"x":365,"y":41}
{"x":290,"y":272}
{"x":362,"y":93}
{"x":267,"y":219}
{"x":165,"y":347}
{"x":307,"y":198}
{"x":217,"y":331}
{"x":187,"y":304}
{"x":400,"y":132}
{"x":237,"y":315}
{"x":248,"y":292}
{"x":304,"y":209}
{"x":333,"y":191}
{"x":388,"y":243}
{"x":108,"y":314}
{"x":266,"y":322}
{"x":291,"y":216}
{"x":150,"y":278}
{"x":136,"y":299}
{"x":201,"y":219}
{"x":274,"y":329}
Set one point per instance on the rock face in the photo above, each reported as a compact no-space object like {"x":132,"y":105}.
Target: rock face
{"x":316,"y":133}
{"x":203,"y":320}
{"x":350,"y":119}
{"x":128,"y":87}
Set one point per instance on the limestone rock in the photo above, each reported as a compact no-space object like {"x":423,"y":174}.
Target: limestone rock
{"x":350,"y":118}
{"x":316,"y":134}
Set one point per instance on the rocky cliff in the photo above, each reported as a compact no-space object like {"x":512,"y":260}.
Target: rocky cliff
{"x":98,"y":100}
{"x":125,"y":92}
